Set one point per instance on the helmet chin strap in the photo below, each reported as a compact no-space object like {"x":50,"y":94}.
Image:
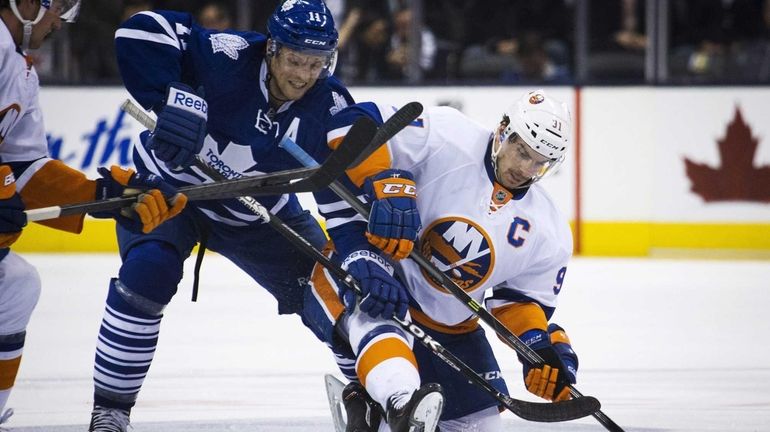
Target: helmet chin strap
{"x":26,"y":23}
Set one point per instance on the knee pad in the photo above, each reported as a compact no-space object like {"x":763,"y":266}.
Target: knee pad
{"x":19,"y":293}
{"x":152,"y":270}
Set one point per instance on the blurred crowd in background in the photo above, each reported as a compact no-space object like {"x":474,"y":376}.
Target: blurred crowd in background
{"x":392,"y":42}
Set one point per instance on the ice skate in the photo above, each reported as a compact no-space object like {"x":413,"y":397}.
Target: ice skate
{"x":420,"y":413}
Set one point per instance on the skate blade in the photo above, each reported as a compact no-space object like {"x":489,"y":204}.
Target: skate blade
{"x":426,"y":415}
{"x":334,"y":389}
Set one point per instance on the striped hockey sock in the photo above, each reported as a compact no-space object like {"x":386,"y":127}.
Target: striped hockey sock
{"x":124,"y":352}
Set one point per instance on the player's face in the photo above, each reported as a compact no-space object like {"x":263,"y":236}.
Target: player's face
{"x":294,"y":73}
{"x":518,"y":163}
{"x":50,"y":23}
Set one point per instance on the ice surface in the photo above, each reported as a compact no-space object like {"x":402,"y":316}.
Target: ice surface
{"x":666,"y":345}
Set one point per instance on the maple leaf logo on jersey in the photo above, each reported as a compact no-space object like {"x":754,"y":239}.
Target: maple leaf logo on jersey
{"x":339,"y":103}
{"x":461,"y":249}
{"x":227,"y":43}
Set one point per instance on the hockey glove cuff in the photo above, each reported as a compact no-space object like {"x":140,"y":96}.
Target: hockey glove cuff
{"x":381,"y":293}
{"x":181,"y":127}
{"x":156,"y":200}
{"x":550,"y":380}
{"x":394,"y":220}
{"x":12,"y":216}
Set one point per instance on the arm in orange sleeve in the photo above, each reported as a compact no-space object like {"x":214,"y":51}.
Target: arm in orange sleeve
{"x":57,"y":184}
{"x":377,"y":162}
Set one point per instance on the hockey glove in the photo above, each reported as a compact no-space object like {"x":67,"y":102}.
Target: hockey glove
{"x":152,"y":204}
{"x":381,"y":294}
{"x":393,"y":220}
{"x":12,"y":216}
{"x":550,"y":380}
{"x":181,"y":127}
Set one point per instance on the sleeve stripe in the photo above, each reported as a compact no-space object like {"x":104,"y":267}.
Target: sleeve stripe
{"x":336,"y":206}
{"x":21,"y":180}
{"x":163,"y":22}
{"x":334,"y":223}
{"x":146,"y":36}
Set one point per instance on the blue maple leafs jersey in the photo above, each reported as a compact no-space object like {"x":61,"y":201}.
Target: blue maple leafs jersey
{"x":229,"y":69}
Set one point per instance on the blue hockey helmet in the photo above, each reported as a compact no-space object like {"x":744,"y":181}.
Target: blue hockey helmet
{"x":306,"y":26}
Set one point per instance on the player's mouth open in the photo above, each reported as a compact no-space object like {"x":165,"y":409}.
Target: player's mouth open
{"x":297,"y":85}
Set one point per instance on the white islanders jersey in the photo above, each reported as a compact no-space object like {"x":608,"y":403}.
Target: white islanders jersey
{"x":519,"y":250}
{"x":22,"y":134}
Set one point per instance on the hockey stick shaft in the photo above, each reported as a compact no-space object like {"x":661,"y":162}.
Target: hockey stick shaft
{"x":478,"y":310}
{"x":518,"y":407}
{"x":531,"y":411}
{"x":541,"y":412}
{"x":275,"y":183}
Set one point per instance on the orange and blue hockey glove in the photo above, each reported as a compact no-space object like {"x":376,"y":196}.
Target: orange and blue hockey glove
{"x":156,"y":202}
{"x":394,"y":220}
{"x":12,"y":216}
{"x":551,"y":379}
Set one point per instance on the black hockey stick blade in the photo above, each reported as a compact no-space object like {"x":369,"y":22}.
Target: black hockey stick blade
{"x":398,"y":121}
{"x":546,"y":412}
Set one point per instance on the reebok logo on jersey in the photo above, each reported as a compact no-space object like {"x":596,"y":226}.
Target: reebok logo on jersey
{"x":227,"y":43}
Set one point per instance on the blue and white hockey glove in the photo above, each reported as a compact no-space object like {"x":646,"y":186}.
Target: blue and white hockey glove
{"x":550,"y":380}
{"x":12,"y":216}
{"x":152,"y":205}
{"x":181,"y":127}
{"x":394,"y":220}
{"x":382,"y":295}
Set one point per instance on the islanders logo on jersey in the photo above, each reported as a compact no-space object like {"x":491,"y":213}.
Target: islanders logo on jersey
{"x":461,"y":249}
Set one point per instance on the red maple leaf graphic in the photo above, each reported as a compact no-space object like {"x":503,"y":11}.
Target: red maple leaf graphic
{"x":737,"y":179}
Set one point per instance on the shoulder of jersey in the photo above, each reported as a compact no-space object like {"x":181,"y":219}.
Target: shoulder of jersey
{"x":6,"y":45}
{"x":231,"y":46}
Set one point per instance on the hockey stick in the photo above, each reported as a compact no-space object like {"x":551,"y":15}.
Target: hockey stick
{"x":279,"y":182}
{"x":527,"y":410}
{"x":579,"y":406}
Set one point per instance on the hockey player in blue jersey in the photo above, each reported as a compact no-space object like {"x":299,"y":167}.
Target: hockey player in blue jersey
{"x":228,"y":97}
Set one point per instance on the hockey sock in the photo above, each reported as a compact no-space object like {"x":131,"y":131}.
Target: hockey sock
{"x":124,"y":351}
{"x":386,"y":366}
{"x":11,"y":347}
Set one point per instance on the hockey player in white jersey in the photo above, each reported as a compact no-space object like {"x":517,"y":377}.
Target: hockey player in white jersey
{"x":488,"y":225}
{"x":31,"y":179}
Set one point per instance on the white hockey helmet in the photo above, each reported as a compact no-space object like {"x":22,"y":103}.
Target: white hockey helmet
{"x":543,"y":122}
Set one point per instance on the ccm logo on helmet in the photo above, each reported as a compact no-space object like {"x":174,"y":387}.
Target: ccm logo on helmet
{"x":314,"y":42}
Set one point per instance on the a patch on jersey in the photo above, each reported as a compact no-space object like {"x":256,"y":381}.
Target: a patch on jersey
{"x":339,"y":103}
{"x":8,"y":117}
{"x":227,"y":43}
{"x":461,"y":249}
{"x":500,"y":197}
